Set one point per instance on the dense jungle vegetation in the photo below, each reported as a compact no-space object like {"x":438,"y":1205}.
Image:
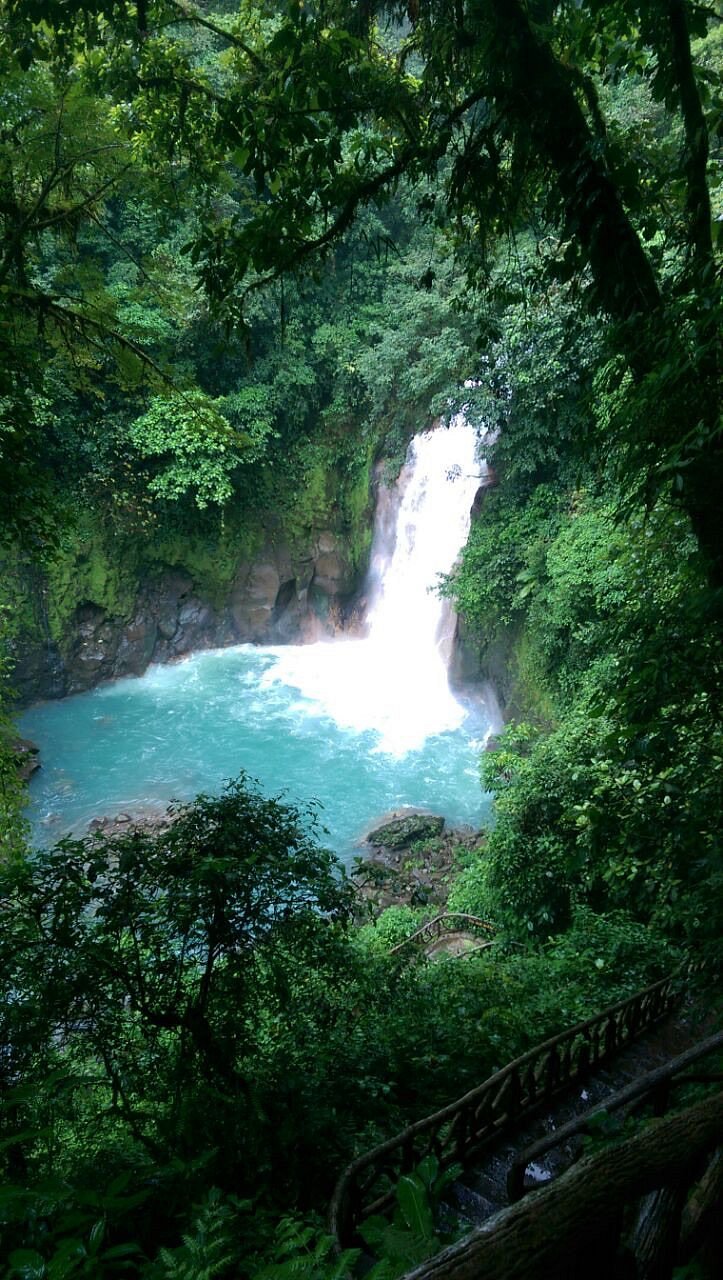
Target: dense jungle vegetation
{"x":248,"y":244}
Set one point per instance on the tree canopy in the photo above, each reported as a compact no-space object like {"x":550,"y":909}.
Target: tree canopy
{"x":502,"y":116}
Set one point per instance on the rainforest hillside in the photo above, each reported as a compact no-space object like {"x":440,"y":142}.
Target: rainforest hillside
{"x":249,"y":250}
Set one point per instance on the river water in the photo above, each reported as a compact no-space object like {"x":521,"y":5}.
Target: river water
{"x":363,"y":725}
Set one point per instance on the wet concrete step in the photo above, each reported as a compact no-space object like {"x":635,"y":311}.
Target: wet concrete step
{"x":482,"y":1190}
{"x":470,"y":1205}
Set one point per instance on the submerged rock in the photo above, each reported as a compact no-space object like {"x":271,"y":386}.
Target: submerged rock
{"x":401,"y":832}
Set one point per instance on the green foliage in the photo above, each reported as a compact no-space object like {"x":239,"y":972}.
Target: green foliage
{"x":210,"y":1249}
{"x":188,"y":1009}
{"x":174,"y":934}
{"x":617,"y":805}
{"x":62,"y":1229}
{"x":413,"y":1233}
{"x":305,"y":1251}
{"x":470,"y":893}
{"x":503,"y":559}
{"x":538,"y":355}
{"x":614,"y":954}
{"x":392,"y":926}
{"x":533,"y":867}
{"x":13,"y":797}
{"x":85,"y":567}
{"x":13,"y":828}
{"x":195,"y":446}
{"x":600,"y":958}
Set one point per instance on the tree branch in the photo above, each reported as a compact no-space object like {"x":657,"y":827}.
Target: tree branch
{"x":124,"y":1109}
{"x":695,"y":156}
{"x":540,"y":98}
{"x":192,"y":15}
{"x":62,"y":215}
{"x":414,"y":152}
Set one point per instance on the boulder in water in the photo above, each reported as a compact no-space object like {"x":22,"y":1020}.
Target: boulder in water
{"x":401,"y":832}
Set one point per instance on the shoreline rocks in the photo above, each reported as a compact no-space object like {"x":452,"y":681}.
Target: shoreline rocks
{"x":120,"y":823}
{"x":412,"y":861}
{"x":27,"y":757}
{"x":275,"y":596}
{"x":417,"y":872}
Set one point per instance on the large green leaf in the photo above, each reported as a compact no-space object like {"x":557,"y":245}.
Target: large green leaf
{"x":414,"y":1205}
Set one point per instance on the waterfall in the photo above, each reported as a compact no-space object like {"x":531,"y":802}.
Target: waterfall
{"x":394,"y":682}
{"x":364,"y":725}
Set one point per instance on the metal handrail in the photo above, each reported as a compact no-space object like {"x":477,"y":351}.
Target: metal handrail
{"x":457,"y":1132}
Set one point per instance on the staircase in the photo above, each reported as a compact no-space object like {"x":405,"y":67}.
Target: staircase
{"x":547,"y":1145}
{"x":452,"y":933}
{"x":647,"y":1207}
{"x":544,"y":1092}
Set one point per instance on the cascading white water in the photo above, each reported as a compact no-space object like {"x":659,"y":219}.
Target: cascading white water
{"x":365,"y":726}
{"x":394,"y":682}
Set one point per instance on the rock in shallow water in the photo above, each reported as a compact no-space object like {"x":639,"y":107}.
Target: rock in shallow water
{"x":401,"y":832}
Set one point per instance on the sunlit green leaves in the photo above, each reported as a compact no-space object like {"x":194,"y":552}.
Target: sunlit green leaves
{"x":194,"y":447}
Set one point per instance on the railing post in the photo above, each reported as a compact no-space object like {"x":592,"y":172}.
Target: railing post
{"x":461,"y":1127}
{"x":349,"y":1213}
{"x":595,"y":1044}
{"x":531,"y":1083}
{"x":583,"y":1061}
{"x":408,"y":1160}
{"x":516,"y":1181}
{"x":566,"y":1062}
{"x":481,"y":1116}
{"x":552,"y":1072}
{"x":515,"y":1094}
{"x":661,"y":1098}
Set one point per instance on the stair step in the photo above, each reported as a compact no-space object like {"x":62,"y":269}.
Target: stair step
{"x":468,"y":1203}
{"x":489,"y":1183}
{"x":537,"y":1175}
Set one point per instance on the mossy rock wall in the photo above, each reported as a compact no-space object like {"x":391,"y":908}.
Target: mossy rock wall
{"x":106,"y":605}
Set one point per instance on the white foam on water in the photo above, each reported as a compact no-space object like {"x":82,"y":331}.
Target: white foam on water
{"x":395,"y":682}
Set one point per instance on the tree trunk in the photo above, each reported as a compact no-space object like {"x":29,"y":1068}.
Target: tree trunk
{"x":569,"y":1220}
{"x":655,"y":1236}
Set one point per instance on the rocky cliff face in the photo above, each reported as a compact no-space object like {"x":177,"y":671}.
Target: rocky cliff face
{"x":273,"y":596}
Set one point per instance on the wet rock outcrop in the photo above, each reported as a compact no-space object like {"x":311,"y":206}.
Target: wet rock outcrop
{"x":401,"y":832}
{"x":411,"y":860}
{"x":274,"y":596}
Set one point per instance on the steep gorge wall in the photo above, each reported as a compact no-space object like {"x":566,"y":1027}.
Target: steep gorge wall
{"x":507,"y":664}
{"x":107,"y":606}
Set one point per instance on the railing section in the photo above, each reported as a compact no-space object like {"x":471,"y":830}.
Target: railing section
{"x":656,"y":1088}
{"x":447,"y":922}
{"x":458,"y":1132}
